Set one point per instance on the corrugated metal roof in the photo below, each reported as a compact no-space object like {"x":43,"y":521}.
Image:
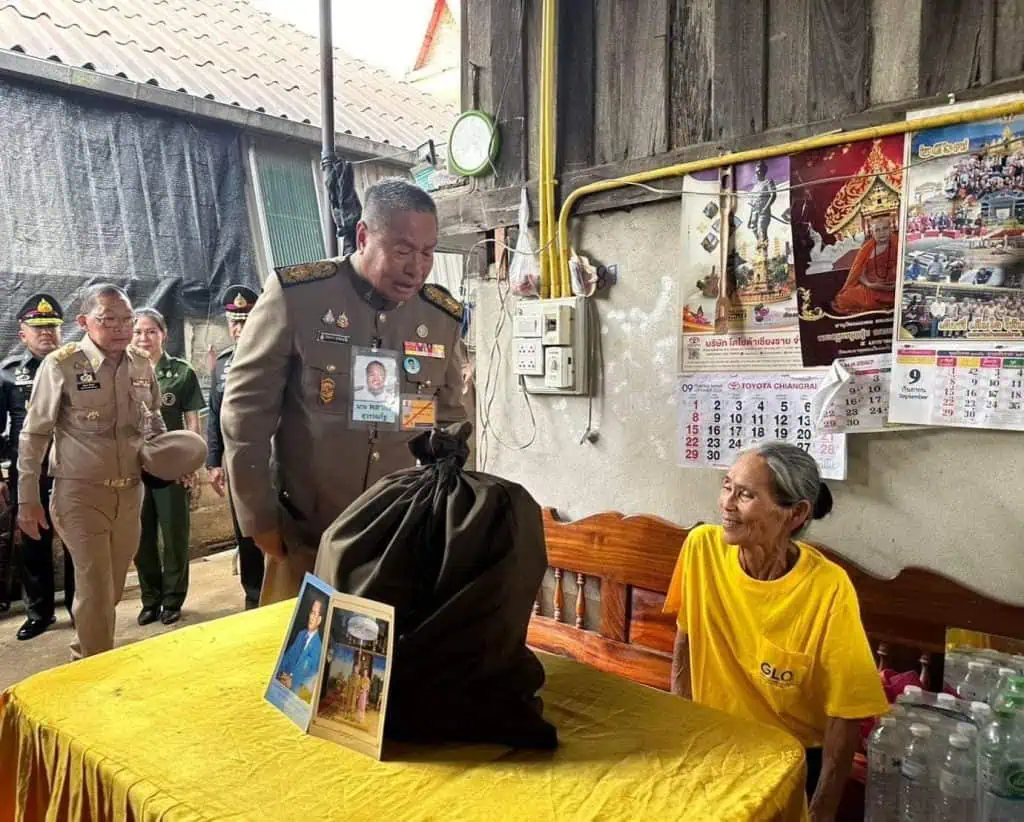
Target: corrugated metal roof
{"x":225,"y":50}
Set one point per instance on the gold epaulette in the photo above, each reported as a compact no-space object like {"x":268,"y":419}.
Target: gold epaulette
{"x":440,"y":297}
{"x":64,"y":352}
{"x":307,"y":272}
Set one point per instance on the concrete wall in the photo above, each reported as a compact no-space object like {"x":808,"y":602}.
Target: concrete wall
{"x":951,"y":501}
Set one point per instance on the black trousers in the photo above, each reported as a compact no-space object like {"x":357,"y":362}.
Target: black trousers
{"x":37,"y":580}
{"x":814,"y":761}
{"x":250,"y":562}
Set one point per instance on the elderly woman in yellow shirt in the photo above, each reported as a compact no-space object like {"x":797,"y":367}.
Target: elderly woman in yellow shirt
{"x":768,"y":628}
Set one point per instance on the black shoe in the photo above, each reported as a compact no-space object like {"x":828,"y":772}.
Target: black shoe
{"x":149,"y":614}
{"x":34,"y":627}
{"x":170,"y":616}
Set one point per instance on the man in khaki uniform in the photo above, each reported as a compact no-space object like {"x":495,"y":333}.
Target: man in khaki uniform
{"x":97,"y":400}
{"x":289,"y":400}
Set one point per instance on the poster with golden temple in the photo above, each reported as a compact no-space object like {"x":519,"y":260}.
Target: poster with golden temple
{"x":963,"y":266}
{"x":846,"y":246}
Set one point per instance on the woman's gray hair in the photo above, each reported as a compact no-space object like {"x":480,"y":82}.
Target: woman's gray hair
{"x":154,"y":315}
{"x":795,"y":478}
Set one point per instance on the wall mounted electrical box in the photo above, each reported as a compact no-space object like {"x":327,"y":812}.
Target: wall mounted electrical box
{"x":550,"y":346}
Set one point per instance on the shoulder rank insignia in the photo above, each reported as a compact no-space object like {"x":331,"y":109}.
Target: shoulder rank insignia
{"x":441,"y":297}
{"x":307,"y":272}
{"x":64,"y":352}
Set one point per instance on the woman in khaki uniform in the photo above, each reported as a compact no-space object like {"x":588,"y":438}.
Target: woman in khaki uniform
{"x":163,"y":576}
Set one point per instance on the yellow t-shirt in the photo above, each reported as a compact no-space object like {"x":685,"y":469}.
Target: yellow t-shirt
{"x":789,"y":652}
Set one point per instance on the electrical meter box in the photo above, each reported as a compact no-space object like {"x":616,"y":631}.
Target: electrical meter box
{"x":550,"y":345}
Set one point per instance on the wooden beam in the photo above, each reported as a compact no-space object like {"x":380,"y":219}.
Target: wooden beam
{"x":1009,"y":57}
{"x":740,"y":67}
{"x":691,"y":28}
{"x":840,"y":62}
{"x":789,"y":63}
{"x":957,"y":45}
{"x":508,"y":90}
{"x":464,"y":213}
{"x":576,"y":84}
{"x":632,"y":73}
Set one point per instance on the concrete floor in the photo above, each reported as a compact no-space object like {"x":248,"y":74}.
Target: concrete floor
{"x":214,"y":591}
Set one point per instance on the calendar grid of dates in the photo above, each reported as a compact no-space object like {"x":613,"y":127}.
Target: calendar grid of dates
{"x":722,"y":415}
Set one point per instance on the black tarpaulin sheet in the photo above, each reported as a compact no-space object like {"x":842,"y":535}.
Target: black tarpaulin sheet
{"x":93,"y":192}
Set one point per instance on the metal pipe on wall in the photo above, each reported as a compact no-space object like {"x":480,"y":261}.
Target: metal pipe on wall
{"x":794,"y":147}
{"x":327,"y":155}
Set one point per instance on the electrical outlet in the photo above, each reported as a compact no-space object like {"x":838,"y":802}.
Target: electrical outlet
{"x":565,"y":352}
{"x":529,"y":358}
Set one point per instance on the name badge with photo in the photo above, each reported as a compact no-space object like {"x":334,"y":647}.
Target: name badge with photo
{"x":375,"y":388}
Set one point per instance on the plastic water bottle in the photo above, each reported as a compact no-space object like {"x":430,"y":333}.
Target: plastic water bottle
{"x":1001,"y":763}
{"x":1003,"y":681}
{"x":954,"y":668}
{"x":977,"y":685}
{"x":981,"y":714}
{"x":916,"y":776}
{"x":958,"y":778}
{"x":916,"y":694}
{"x":1014,"y":687}
{"x":885,"y":754}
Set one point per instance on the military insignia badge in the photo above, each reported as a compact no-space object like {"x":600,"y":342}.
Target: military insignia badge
{"x":422,"y":331}
{"x":343,"y":320}
{"x":167,"y":400}
{"x":328,"y":318}
{"x":441,"y":298}
{"x":307,"y":272}
{"x":327,"y":388}
{"x":86,"y":381}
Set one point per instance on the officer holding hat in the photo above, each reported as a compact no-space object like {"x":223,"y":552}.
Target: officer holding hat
{"x":98,"y":401}
{"x":39,"y":328}
{"x":238,"y":301}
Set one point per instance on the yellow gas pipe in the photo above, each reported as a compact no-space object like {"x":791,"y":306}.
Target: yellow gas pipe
{"x":794,"y":147}
{"x":550,"y":282}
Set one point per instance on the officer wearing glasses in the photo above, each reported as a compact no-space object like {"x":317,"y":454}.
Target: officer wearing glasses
{"x":98,"y":400}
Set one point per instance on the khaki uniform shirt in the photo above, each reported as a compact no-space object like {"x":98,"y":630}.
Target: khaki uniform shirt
{"x":291,"y":382}
{"x":97,"y":411}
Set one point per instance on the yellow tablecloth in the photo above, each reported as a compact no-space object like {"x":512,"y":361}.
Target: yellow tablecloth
{"x":175,"y":728}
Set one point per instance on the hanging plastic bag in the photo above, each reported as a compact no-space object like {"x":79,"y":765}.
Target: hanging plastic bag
{"x":524,"y":270}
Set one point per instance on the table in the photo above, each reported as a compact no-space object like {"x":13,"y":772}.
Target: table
{"x":175,"y":728}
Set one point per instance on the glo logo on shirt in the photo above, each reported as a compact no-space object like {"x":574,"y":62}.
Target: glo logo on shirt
{"x":775,"y":675}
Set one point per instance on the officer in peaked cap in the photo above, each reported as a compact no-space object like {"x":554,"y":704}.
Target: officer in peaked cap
{"x":40,"y":322}
{"x":299,"y":449}
{"x":238,"y":301}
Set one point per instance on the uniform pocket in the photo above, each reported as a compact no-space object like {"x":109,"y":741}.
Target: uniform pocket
{"x":780,"y":674}
{"x":92,"y":414}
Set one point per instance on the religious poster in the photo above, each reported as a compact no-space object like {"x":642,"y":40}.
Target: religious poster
{"x":738,"y":286}
{"x":722,"y":415}
{"x":846,"y":208}
{"x":352,"y":690}
{"x":963,"y":257}
{"x":936,"y":384}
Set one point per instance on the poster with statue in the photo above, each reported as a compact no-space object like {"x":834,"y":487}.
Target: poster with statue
{"x":846,"y":246}
{"x":738,"y":284}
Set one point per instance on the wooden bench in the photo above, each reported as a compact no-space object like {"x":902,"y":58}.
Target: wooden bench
{"x":632,"y":558}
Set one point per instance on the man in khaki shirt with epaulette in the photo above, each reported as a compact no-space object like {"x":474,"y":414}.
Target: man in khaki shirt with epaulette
{"x":98,"y":400}
{"x":302,"y":438}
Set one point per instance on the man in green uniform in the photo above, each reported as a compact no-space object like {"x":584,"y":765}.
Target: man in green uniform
{"x":163,"y":580}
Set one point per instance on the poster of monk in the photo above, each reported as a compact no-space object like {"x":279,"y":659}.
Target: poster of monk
{"x":846,"y":245}
{"x":352,"y":690}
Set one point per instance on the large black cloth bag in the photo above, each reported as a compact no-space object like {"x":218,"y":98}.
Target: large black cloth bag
{"x":460,"y":556}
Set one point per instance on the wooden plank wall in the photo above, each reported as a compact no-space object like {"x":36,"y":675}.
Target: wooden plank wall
{"x":643,"y":79}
